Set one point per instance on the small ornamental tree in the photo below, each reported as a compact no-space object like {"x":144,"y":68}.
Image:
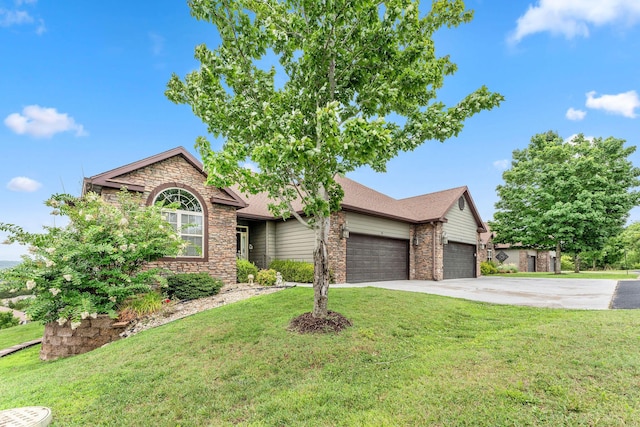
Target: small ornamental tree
{"x":566,"y":195}
{"x":358,"y":84}
{"x":91,"y":265}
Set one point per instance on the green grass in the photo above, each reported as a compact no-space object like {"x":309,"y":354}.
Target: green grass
{"x":409,"y":359}
{"x":19,"y":334}
{"x":611,"y":274}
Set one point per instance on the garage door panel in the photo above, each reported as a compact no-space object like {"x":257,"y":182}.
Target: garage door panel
{"x":374,"y":258}
{"x":459,"y":260}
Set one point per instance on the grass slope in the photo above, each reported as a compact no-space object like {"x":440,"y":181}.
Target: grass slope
{"x":19,"y":334}
{"x":409,"y":359}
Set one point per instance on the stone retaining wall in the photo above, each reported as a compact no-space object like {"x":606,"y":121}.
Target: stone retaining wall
{"x":62,"y":341}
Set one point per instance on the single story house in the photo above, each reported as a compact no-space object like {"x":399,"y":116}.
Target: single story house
{"x":526,"y":259}
{"x":373,"y":237}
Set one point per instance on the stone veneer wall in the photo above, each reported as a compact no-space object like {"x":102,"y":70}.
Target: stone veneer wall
{"x":421,"y":257}
{"x":543,"y":261}
{"x":221,"y":219}
{"x":337,"y":247}
{"x":62,"y":341}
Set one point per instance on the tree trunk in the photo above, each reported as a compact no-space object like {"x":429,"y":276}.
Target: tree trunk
{"x":576,"y":264}
{"x":558,"y":267}
{"x":321,"y":268}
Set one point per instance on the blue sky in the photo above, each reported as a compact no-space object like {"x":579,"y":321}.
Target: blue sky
{"x":82,"y":91}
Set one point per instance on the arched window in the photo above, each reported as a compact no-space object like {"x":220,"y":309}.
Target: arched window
{"x":187,"y":219}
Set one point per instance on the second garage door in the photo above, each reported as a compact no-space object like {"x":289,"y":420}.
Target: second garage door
{"x":459,"y":260}
{"x":373,"y":259}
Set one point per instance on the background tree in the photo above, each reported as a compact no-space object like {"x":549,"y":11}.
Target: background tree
{"x":356,"y":84}
{"x":570,"y":196}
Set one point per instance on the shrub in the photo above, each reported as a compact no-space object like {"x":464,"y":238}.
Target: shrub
{"x":507,"y":268}
{"x":566,"y":262}
{"x":8,"y":320}
{"x":141,"y":305}
{"x":20,"y":305}
{"x":192,"y":285}
{"x":94,"y":263}
{"x":244,"y":268}
{"x":294,"y":271}
{"x":488,"y":267}
{"x":12,"y":293}
{"x":266,"y":277}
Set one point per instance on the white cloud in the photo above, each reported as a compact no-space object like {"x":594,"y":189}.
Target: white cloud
{"x":41,"y":122}
{"x":570,"y":139}
{"x":573,"y":18}
{"x":623,"y":104}
{"x":251,"y":166}
{"x":14,"y":17}
{"x":502,"y":164}
{"x":23,"y":184}
{"x":573,"y":114}
{"x":157,"y":43}
{"x":41,"y":29}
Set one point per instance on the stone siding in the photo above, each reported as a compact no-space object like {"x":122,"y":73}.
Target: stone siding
{"x":62,"y":341}
{"x":219,"y":259}
{"x":337,"y":247}
{"x":423,"y":255}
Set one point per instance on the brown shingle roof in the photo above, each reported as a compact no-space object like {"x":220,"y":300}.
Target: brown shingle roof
{"x":362,"y":199}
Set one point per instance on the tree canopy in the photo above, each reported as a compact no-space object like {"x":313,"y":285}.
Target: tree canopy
{"x":570,"y":195}
{"x":356,"y":83}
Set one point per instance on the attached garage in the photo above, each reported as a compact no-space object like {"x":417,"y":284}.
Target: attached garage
{"x":459,"y":260}
{"x":375,"y":258}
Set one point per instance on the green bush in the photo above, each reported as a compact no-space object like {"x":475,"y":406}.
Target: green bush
{"x":507,"y":268}
{"x":244,"y":268}
{"x":266,"y":277}
{"x":20,"y":305}
{"x":294,"y":271}
{"x":94,"y":262}
{"x":488,"y":267}
{"x":12,"y":293}
{"x":8,"y":320}
{"x":566,"y":262}
{"x":192,"y":285}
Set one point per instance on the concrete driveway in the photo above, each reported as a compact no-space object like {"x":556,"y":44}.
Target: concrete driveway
{"x":553,"y":293}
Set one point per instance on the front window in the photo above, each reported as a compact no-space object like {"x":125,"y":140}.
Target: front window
{"x":187,"y":219}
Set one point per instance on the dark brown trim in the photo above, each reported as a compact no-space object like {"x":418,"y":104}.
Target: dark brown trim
{"x":238,"y":203}
{"x":104,"y":178}
{"x":205,"y":214}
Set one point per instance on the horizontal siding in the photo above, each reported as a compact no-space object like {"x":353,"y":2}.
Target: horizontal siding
{"x":374,"y":226}
{"x":258,"y":240}
{"x":513,"y":254}
{"x":461,"y":226}
{"x":294,"y":241}
{"x":271,"y":241}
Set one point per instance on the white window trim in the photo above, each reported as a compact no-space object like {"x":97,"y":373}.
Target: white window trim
{"x":181,"y":227}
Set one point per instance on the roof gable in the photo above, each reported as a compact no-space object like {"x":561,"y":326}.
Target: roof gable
{"x":113,"y":178}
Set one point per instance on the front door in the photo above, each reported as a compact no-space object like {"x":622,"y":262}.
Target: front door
{"x":242,"y":242}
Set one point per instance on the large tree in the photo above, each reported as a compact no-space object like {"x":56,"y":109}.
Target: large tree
{"x":568,"y":195}
{"x":356,"y":84}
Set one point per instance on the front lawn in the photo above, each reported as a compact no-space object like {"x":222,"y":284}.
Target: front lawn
{"x":409,"y":359}
{"x":611,"y":274}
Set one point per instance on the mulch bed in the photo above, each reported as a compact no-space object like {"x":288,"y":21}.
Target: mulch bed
{"x":307,"y":324}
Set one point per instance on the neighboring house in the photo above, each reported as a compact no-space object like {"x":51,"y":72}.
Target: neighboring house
{"x":526,"y":259}
{"x":373,"y":237}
